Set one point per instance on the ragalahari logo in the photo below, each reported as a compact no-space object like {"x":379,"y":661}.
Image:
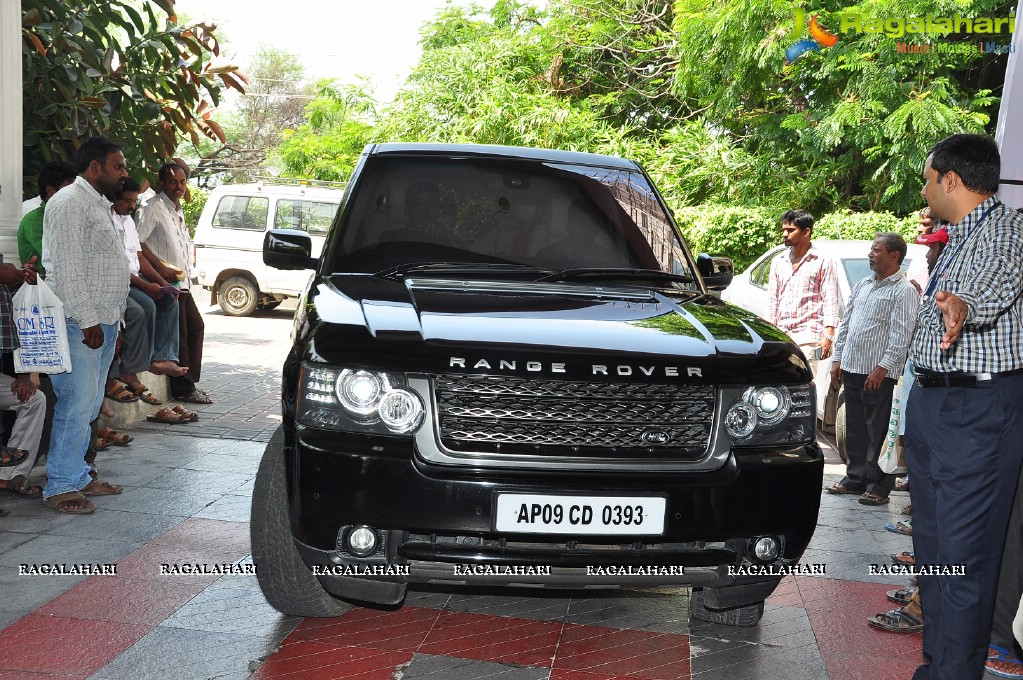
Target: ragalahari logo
{"x":819,"y":38}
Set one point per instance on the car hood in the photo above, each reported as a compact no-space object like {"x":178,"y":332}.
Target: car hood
{"x":483,"y":323}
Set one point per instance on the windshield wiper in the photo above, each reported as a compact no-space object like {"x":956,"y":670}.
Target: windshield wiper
{"x":616,"y":273}
{"x":459,"y":268}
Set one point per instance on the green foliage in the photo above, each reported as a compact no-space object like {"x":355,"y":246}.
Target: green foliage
{"x":845,"y":224}
{"x":123,"y":69}
{"x":192,"y":208}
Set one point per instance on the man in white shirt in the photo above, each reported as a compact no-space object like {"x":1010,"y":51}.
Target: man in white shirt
{"x":168,"y":247}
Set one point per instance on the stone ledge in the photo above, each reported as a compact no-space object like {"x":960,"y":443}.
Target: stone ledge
{"x":127,"y":414}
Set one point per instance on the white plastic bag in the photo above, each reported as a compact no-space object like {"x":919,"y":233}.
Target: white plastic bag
{"x":888,"y":461}
{"x":39,"y":318}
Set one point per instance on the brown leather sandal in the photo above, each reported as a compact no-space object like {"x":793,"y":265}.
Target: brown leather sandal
{"x":100,"y":488}
{"x":71,"y":503}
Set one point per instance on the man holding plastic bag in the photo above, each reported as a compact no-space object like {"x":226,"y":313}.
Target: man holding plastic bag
{"x":87,"y":269}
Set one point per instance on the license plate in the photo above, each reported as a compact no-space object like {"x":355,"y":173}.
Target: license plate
{"x":594,"y":515}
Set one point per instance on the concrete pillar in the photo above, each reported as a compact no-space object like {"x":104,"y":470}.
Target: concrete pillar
{"x":1009,"y":133}
{"x":11,"y":135}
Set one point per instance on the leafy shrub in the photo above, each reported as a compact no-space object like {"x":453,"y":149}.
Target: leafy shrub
{"x":192,"y":208}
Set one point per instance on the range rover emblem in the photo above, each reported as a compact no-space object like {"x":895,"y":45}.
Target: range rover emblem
{"x":655,"y":437}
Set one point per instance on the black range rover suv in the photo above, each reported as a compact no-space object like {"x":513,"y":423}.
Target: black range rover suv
{"x":507,"y":369}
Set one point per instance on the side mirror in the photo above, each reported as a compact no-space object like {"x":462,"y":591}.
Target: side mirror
{"x":288,"y":249}
{"x":716,"y":272}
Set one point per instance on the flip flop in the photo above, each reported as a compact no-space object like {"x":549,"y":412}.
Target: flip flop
{"x":897,"y":621}
{"x":197,"y":396}
{"x":121,"y":394}
{"x":10,"y":457}
{"x":905,"y":528}
{"x":19,"y":484}
{"x":185,"y":413}
{"x":1002,"y":662}
{"x":168,"y":417}
{"x":143,"y":393}
{"x":904,"y":559}
{"x":71,"y":503}
{"x":114,"y":437}
{"x":100,"y":488}
{"x":870,"y":498}
{"x":902,"y":595}
{"x":839,"y":489}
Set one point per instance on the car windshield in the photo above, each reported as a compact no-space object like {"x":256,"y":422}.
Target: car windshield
{"x":544,"y":216}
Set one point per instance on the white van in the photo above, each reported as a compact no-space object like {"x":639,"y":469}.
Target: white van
{"x":229,"y":239}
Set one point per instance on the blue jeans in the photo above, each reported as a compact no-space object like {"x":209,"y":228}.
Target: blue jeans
{"x":162,"y":319}
{"x":79,"y":397}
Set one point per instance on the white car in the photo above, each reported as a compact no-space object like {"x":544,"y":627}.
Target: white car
{"x":749,"y":290}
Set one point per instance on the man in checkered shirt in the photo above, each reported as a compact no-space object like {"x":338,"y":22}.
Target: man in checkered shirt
{"x":964,"y":424}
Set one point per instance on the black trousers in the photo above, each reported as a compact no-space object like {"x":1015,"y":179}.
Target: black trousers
{"x":867,"y":413}
{"x":192,"y":330}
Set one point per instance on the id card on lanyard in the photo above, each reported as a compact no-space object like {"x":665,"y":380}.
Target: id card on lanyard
{"x":945,"y":259}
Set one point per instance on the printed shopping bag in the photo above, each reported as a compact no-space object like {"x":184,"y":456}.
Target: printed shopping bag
{"x":890,"y":461}
{"x":39,"y":318}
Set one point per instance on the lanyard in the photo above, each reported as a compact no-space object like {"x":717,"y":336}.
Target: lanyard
{"x":946,"y":258}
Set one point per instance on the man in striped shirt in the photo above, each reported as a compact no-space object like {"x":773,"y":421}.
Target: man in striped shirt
{"x":964,"y":425}
{"x":869,"y":356}
{"x":802,"y":290}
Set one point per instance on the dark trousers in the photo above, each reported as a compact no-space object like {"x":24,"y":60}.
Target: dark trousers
{"x":963,"y":447}
{"x":867,"y":414}
{"x":1010,"y":579}
{"x":192,"y":330}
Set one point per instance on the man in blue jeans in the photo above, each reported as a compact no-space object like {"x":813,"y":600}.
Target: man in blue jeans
{"x":86,"y":266}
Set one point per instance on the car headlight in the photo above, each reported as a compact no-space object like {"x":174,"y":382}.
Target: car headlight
{"x":772,"y":414}
{"x":357,"y":400}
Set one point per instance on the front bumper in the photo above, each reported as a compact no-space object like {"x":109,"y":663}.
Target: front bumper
{"x":437,"y":522}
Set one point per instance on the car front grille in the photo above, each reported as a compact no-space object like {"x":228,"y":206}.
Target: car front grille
{"x":498,"y":414}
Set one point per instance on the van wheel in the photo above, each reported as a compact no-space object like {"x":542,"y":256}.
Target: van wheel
{"x":238,"y":296}
{"x":840,"y":430}
{"x":287,"y":583}
{"x":745,"y":616}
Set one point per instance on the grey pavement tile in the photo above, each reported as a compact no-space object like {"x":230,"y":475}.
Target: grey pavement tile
{"x":30,"y":516}
{"x":50,"y":549}
{"x":783,"y":627}
{"x":232,"y":605}
{"x":219,"y":462}
{"x":429,"y":595}
{"x":8,"y":618}
{"x":132,"y":526}
{"x":663,"y":610}
{"x":222,"y":482}
{"x":520,"y":603}
{"x":450,"y":668}
{"x":756,"y":662}
{"x":181,"y":654}
{"x":229,"y":508}
{"x":244,"y":489}
{"x":11,"y":539}
{"x":24,"y":594}
{"x":182,"y":502}
{"x":129,"y":471}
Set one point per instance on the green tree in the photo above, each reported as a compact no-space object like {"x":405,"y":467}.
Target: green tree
{"x":124,"y":69}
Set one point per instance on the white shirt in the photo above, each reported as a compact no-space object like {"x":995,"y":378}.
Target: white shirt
{"x":132,"y":246}
{"x":162,"y":228}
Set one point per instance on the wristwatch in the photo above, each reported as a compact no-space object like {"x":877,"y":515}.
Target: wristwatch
{"x":829,"y":337}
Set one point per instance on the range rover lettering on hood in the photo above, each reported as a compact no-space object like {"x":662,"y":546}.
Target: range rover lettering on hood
{"x":559,"y":367}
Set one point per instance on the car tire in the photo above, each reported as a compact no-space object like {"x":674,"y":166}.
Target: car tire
{"x":745,"y":616}
{"x":238,"y":296}
{"x":840,"y":429}
{"x":287,"y":583}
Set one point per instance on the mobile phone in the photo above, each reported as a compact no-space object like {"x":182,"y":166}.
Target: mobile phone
{"x":818,"y":351}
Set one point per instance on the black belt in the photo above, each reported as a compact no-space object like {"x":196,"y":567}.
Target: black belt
{"x":925,"y":378}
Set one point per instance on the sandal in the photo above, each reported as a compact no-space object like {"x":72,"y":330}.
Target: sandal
{"x":185,"y":413}
{"x":143,"y":393}
{"x":839,"y":489}
{"x":168,"y":417}
{"x":19,"y":484}
{"x":100,"y":444}
{"x":196,"y":397}
{"x":1002,"y":662}
{"x":72,"y":503}
{"x":100,"y":488}
{"x":904,"y":528}
{"x":902,"y":595}
{"x":121,"y":394}
{"x":897,"y":621}
{"x":871,"y":498}
{"x":902,"y":483}
{"x":905,"y":559}
{"x":10,"y":457}
{"x":908,"y":510}
{"x":114,"y":437}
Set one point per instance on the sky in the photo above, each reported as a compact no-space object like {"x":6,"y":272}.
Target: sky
{"x":332,"y":38}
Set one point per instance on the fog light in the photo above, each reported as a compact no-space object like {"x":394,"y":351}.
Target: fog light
{"x":362,"y":541}
{"x":766,"y":548}
{"x":400,"y":411}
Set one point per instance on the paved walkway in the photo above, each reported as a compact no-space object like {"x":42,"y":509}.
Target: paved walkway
{"x":186,"y":502}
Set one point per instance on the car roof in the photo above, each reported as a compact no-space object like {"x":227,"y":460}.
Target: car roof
{"x":854,"y":247}
{"x":275,"y":189}
{"x":494,"y":151}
